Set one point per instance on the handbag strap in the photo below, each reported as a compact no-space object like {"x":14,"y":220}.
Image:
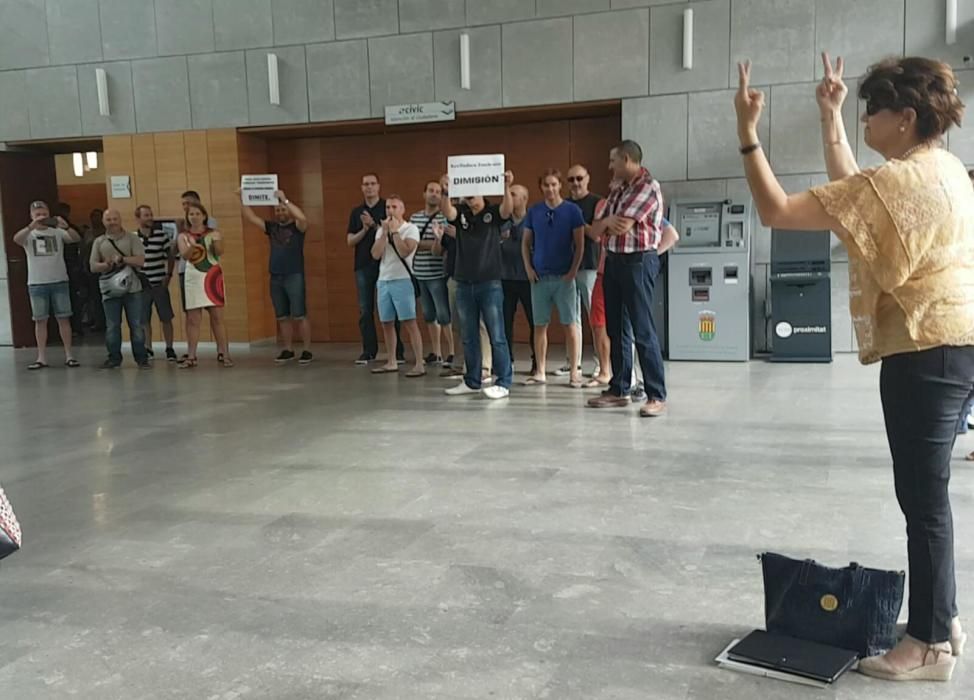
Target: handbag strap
{"x":138,"y":273}
{"x":399,"y":255}
{"x":805,"y":571}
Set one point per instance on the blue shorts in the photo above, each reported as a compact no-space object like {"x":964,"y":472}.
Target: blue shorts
{"x":288,"y":296}
{"x":396,"y":300}
{"x":435,"y":300}
{"x":48,"y":300}
{"x":549,"y":291}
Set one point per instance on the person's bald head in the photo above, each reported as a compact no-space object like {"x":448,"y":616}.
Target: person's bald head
{"x":112,"y":219}
{"x":520,"y":195}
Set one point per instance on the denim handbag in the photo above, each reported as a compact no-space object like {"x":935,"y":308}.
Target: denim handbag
{"x":853,"y":608}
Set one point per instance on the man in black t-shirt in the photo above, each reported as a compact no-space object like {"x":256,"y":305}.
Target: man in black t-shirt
{"x":477,"y":228}
{"x":578,"y":182}
{"x":362,"y":225}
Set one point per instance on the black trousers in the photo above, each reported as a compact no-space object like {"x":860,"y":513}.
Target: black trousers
{"x":629,"y":284}
{"x":517,"y":291}
{"x":922,"y":394}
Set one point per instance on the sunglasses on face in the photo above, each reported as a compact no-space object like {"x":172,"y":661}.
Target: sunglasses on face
{"x":576,"y":178}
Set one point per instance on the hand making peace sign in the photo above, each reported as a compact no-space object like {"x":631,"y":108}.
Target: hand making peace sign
{"x":832,"y":91}
{"x":749,"y":104}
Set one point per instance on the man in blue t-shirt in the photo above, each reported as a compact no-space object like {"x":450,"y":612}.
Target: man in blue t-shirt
{"x":552,"y":246}
{"x":286,"y":235}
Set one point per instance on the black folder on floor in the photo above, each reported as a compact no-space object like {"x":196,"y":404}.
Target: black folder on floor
{"x":795,"y":656}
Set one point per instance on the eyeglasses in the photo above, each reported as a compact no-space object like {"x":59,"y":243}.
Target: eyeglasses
{"x":576,"y":178}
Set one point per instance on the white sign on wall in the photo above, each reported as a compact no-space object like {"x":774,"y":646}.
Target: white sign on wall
{"x":421,"y":113}
{"x":476,"y":175}
{"x":258,"y":190}
{"x":121,"y":187}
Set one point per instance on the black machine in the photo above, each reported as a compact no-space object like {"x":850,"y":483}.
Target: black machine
{"x":801,"y":296}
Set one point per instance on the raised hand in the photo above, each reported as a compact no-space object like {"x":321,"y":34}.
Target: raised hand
{"x":832,"y":91}
{"x":748,"y":102}
{"x":508,"y":178}
{"x":280,"y":196}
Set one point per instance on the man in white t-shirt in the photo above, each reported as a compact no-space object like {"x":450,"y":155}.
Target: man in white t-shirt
{"x":47,"y":278}
{"x":395,"y":245}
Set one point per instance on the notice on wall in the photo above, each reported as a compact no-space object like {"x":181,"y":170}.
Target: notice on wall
{"x":258,"y":190}
{"x":421,"y":113}
{"x":476,"y":175}
{"x":121,"y":187}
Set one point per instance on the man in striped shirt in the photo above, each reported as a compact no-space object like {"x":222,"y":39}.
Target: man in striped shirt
{"x":431,"y":275}
{"x":631,"y":226}
{"x":158,"y":269}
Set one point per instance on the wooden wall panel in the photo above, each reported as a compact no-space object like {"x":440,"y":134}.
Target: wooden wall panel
{"x":82,"y":199}
{"x":118,"y":159}
{"x":146,"y":181}
{"x":171,"y":175}
{"x":404,"y":162}
{"x":252,"y":160}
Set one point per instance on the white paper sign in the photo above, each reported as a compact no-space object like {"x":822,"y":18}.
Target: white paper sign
{"x":421,"y":113}
{"x":476,"y":175}
{"x":258,"y":190}
{"x":121,"y":187}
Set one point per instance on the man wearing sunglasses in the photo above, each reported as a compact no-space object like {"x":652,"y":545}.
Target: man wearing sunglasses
{"x":578,"y":194}
{"x":552,"y":245}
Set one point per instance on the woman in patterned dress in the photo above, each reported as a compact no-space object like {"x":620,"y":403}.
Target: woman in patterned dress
{"x":202,"y":247}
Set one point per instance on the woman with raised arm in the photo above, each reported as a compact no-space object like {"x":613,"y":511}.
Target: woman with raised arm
{"x":909,"y":228}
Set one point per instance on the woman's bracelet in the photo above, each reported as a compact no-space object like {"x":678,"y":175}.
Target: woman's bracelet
{"x":840,"y":142}
{"x":746,"y":150}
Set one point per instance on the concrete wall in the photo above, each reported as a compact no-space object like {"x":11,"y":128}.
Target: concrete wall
{"x":201,"y":64}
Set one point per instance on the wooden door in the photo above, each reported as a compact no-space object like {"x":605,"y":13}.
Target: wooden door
{"x":24,"y":178}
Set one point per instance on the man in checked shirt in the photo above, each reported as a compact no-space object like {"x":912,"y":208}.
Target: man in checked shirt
{"x":631,"y":226}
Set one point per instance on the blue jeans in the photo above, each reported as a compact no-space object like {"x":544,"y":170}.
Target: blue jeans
{"x":435,"y":300}
{"x":133,"y":305}
{"x":476,"y":300}
{"x":365,"y":282}
{"x":628,"y":285}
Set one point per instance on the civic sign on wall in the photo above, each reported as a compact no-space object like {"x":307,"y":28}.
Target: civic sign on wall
{"x":421,"y":113}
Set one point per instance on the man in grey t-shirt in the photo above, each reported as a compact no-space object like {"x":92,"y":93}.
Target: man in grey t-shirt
{"x":111,"y":253}
{"x":47,"y":278}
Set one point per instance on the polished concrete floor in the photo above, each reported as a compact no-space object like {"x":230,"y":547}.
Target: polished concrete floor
{"x":318,"y":532}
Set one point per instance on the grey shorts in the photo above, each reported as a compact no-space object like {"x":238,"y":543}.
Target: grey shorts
{"x":158,"y":297}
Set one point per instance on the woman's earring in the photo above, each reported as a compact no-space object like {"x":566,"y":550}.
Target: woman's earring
{"x":902,"y":129}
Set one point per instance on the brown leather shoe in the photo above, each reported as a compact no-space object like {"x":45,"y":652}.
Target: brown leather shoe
{"x":607,"y":400}
{"x":653,"y":408}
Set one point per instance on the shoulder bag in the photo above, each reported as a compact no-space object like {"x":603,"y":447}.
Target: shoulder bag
{"x":853,"y":608}
{"x":412,"y":277}
{"x":10,"y":535}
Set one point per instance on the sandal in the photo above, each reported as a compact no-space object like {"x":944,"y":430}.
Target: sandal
{"x":576,"y":384}
{"x":33,"y":366}
{"x":226,"y":361}
{"x":72,"y":363}
{"x":595,"y":384}
{"x":533,"y":381}
{"x":385,"y":370}
{"x":412,"y":374}
{"x":187,"y":363}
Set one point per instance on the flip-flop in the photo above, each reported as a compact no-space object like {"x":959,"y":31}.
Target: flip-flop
{"x":577,"y":384}
{"x":385,"y":370}
{"x":72,"y":363}
{"x":413,"y":374}
{"x":531,"y":381}
{"x":33,"y":366}
{"x":594,"y":384}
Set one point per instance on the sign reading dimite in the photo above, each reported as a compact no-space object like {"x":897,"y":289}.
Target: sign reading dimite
{"x":476,"y":175}
{"x":258,"y":190}
{"x":421,"y":113}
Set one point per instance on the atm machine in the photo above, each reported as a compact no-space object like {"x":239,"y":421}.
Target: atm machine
{"x":801,"y":296}
{"x":709,"y":281}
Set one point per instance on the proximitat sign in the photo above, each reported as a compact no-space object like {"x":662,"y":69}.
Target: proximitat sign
{"x":421,"y":113}
{"x":476,"y":175}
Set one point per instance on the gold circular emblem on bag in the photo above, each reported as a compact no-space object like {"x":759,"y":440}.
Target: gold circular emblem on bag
{"x":829,"y":603}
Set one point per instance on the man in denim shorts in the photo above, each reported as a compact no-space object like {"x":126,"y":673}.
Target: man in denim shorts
{"x":552,"y":245}
{"x":286,"y":235}
{"x":47,"y":278}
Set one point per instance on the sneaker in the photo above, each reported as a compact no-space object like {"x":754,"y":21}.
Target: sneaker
{"x":461,"y":389}
{"x":145,"y":364}
{"x":108,"y":364}
{"x":400,"y":360}
{"x":448,"y":362}
{"x":596,"y":369}
{"x":306,"y":358}
{"x":496,"y":392}
{"x":171,"y":354}
{"x":431,"y":359}
{"x":150,"y":354}
{"x":285,"y":356}
{"x":364,"y":359}
{"x":639,"y":393}
{"x":565,"y":370}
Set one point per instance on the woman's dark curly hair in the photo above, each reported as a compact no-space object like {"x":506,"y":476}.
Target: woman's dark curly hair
{"x":928,"y":87}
